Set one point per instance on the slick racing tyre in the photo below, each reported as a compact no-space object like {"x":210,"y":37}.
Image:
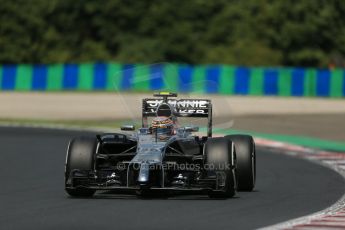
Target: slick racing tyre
{"x":221,"y":161}
{"x":246,"y":161}
{"x":80,"y":155}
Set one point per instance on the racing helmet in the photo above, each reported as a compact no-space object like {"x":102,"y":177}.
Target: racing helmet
{"x":162,"y":126}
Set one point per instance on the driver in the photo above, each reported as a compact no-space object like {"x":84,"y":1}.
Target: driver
{"x":163,"y":127}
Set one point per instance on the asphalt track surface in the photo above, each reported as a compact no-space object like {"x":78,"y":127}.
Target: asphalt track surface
{"x":32,"y":193}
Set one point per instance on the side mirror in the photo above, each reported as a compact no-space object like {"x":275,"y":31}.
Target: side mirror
{"x":192,"y":128}
{"x":128,"y":128}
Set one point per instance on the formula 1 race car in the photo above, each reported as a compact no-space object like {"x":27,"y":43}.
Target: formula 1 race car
{"x":162,"y":156}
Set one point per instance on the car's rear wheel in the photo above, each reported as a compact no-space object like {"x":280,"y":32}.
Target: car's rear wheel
{"x":220,"y":161}
{"x":246,"y":161}
{"x":80,"y":155}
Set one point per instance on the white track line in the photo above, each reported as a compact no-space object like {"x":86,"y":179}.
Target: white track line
{"x":332,"y":217}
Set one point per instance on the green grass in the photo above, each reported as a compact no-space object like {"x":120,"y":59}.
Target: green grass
{"x":310,"y":142}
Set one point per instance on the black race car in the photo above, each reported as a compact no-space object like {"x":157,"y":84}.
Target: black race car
{"x":163,"y":157}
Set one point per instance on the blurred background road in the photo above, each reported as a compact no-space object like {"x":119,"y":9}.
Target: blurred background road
{"x":314,"y":117}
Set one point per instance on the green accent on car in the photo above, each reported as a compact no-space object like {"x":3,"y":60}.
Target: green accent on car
{"x":296,"y":140}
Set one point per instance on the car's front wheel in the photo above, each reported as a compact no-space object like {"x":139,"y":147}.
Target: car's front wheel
{"x":80,"y":156}
{"x":220,"y":162}
{"x":246,"y":161}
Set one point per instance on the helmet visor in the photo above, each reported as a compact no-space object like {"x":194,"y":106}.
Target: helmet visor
{"x":163,"y":131}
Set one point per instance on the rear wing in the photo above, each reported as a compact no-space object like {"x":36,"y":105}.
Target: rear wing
{"x":183,"y":108}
